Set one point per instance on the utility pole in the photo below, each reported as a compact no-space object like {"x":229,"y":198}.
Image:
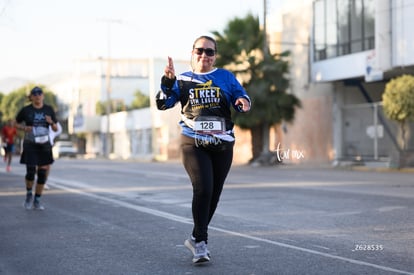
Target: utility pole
{"x":108,"y":86}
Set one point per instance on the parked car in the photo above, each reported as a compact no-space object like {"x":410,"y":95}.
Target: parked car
{"x":64,"y":149}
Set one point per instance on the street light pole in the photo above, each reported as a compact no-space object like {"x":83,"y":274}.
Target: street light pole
{"x":108,"y":92}
{"x":108,"y":86}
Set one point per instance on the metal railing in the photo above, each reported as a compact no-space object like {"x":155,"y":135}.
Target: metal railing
{"x":367,"y":133}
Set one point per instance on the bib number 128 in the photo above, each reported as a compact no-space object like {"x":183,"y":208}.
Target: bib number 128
{"x":209,"y":124}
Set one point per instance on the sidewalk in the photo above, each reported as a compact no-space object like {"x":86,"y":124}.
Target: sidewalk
{"x":363,"y":168}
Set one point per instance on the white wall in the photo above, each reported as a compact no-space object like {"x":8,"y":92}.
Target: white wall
{"x":403,"y":32}
{"x":342,"y":67}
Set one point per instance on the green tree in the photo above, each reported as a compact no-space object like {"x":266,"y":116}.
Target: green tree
{"x":242,"y":49}
{"x":100,"y":108}
{"x":14,"y":101}
{"x":140,"y":101}
{"x":398,"y":103}
{"x":117,"y":105}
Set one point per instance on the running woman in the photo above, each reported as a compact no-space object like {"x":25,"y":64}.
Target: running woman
{"x":206,"y":94}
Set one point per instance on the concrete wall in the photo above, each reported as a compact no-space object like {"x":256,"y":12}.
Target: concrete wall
{"x":310,"y":134}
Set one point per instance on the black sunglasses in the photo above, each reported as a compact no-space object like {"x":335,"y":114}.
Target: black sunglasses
{"x":208,"y":51}
{"x":35,"y":93}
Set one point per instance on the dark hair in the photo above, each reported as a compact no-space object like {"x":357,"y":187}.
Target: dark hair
{"x":208,"y":38}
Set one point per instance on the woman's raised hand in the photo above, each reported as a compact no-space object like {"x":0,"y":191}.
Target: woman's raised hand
{"x":169,"y":71}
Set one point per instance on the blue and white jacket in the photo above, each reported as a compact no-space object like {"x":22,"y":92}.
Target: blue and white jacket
{"x":202,"y":94}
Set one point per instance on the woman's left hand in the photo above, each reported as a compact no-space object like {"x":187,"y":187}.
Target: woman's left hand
{"x":243,"y":104}
{"x":49,"y":120}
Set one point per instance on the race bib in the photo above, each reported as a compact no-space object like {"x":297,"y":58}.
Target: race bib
{"x":41,"y":139}
{"x":209,"y":124}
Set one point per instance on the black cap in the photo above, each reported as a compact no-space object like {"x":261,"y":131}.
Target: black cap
{"x":36,"y":91}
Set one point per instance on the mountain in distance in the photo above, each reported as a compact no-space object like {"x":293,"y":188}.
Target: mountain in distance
{"x":10,"y":84}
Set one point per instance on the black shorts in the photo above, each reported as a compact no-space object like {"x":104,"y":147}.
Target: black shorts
{"x":9,"y":148}
{"x":35,"y":154}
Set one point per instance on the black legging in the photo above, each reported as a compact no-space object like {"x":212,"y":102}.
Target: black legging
{"x":207,"y":171}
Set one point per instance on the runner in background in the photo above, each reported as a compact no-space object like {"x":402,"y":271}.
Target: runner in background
{"x":34,"y":119}
{"x":8,"y":134}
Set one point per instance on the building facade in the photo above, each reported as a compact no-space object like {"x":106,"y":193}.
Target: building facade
{"x":343,"y":54}
{"x":124,"y":134}
{"x":373,"y":45}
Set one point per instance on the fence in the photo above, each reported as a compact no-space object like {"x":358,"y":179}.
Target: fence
{"x":368,"y":134}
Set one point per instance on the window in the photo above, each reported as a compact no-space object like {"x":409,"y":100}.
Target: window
{"x":319,"y":31}
{"x":343,"y":27}
{"x":331,"y":29}
{"x":369,"y":25}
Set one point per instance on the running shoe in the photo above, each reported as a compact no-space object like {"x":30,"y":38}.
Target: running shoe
{"x":8,"y":168}
{"x":37,"y":205}
{"x":28,"y":202}
{"x":190,"y":244}
{"x":201,"y":253}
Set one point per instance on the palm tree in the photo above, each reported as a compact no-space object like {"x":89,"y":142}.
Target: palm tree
{"x":262,"y":74}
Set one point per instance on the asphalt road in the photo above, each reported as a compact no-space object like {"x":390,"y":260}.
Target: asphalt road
{"x":118,"y":217}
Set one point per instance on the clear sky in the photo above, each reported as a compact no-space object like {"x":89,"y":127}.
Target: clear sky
{"x":39,"y":37}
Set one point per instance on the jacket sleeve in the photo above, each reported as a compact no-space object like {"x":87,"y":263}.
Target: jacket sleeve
{"x":238,"y":92}
{"x":167,"y":97}
{"x":161,"y":99}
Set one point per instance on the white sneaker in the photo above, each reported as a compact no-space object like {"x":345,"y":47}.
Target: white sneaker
{"x":201,"y":253}
{"x":190,"y":244}
{"x":28,"y":202}
{"x":37,"y":205}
